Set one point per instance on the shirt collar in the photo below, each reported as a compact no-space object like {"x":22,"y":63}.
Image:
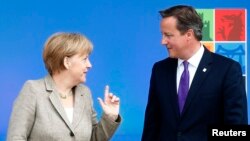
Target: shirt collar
{"x":195,"y":59}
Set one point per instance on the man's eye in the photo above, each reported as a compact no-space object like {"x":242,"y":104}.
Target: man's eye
{"x":167,"y":35}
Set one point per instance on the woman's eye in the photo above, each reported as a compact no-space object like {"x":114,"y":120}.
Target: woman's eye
{"x":85,"y":59}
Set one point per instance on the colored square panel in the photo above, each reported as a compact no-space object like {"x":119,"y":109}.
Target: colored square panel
{"x":209,"y":46}
{"x":230,"y":24}
{"x":235,"y":51}
{"x":208,"y":24}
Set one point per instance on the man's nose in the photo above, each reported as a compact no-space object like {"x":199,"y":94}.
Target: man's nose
{"x":164,"y":41}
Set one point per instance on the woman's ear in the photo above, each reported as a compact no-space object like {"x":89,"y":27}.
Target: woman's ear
{"x":66,"y":62}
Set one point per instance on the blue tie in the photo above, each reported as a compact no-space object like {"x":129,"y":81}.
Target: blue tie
{"x":183,"y":86}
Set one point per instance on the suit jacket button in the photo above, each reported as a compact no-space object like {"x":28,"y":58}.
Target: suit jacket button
{"x":71,"y":134}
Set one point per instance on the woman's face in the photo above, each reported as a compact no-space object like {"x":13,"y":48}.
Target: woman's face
{"x":78,"y":67}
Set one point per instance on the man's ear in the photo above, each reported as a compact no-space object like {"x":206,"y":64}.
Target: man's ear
{"x":190,"y":34}
{"x":66,"y":62}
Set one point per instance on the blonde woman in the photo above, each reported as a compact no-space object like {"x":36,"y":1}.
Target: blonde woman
{"x":59,"y":107}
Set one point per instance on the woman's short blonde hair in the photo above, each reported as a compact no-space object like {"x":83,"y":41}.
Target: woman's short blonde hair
{"x":61,"y":45}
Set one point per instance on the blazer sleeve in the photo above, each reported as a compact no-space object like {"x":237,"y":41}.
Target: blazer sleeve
{"x":23,"y":115}
{"x":105,"y":128}
{"x":235,"y":102}
{"x":152,"y":117}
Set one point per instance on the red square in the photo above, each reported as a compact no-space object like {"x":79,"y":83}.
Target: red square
{"x":230,"y":24}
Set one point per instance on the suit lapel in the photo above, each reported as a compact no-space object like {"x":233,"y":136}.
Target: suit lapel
{"x":200,"y":75}
{"x":172,"y":85}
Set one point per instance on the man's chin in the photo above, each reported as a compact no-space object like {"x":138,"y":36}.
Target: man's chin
{"x":172,"y":56}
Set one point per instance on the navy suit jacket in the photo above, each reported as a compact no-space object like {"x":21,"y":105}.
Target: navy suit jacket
{"x":216,"y":96}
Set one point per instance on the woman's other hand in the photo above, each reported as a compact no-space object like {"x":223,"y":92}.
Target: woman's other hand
{"x":110,"y":104}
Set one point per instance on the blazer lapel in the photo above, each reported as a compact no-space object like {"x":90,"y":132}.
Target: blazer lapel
{"x":78,"y":106}
{"x":59,"y":108}
{"x":55,"y":100}
{"x":200,"y":75}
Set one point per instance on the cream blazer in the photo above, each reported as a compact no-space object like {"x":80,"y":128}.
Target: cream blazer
{"x":38,"y":115}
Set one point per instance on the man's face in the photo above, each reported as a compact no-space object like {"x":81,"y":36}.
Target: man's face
{"x":172,"y":38}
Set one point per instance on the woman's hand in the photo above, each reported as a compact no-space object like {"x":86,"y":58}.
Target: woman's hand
{"x":110,"y":104}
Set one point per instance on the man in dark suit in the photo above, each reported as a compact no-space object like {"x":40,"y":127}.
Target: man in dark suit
{"x":192,"y":88}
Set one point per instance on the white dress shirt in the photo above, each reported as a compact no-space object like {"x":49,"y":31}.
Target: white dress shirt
{"x":69,"y":113}
{"x":192,"y":67}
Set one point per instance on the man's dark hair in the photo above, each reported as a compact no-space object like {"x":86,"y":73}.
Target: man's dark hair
{"x":187,"y":18}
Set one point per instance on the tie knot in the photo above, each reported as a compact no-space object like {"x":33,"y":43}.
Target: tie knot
{"x":185,"y":63}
